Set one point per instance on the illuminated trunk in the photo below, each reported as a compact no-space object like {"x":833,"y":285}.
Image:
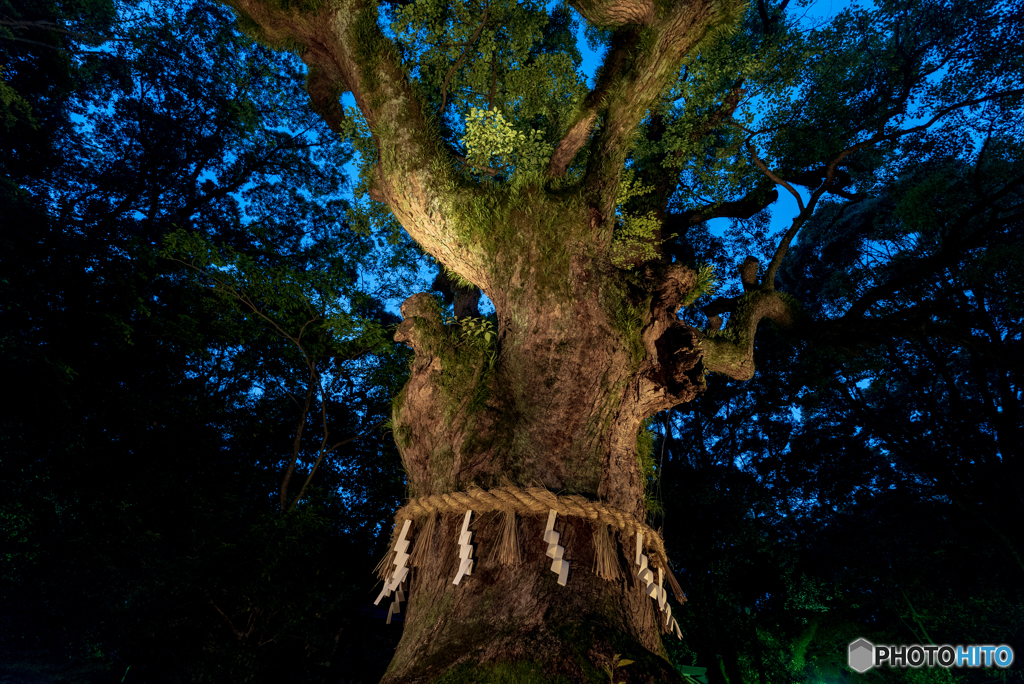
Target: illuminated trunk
{"x":578,"y":364}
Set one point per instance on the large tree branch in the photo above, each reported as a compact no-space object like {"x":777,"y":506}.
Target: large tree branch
{"x":653,"y":60}
{"x":615,"y":13}
{"x":768,"y":282}
{"x":585,"y":119}
{"x":815,"y":177}
{"x":324,"y":92}
{"x":343,"y":42}
{"x":740,"y":209}
{"x":731,"y":351}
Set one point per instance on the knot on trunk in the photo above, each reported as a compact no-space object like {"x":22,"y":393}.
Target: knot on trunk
{"x":421,"y":326}
{"x":672,"y":285}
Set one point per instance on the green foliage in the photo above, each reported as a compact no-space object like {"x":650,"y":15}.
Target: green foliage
{"x":635,"y":234}
{"x":15,"y":108}
{"x":616,"y":663}
{"x":468,"y":353}
{"x":634,"y":240}
{"x":519,"y":83}
{"x":629,"y":319}
{"x":704,"y":287}
{"x":489,"y":135}
{"x":306,"y":306}
{"x":476,"y":329}
{"x":458,"y":279}
{"x":647,"y":464}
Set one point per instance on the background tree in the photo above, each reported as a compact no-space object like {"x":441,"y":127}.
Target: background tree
{"x":155,"y":418}
{"x":833,"y":496}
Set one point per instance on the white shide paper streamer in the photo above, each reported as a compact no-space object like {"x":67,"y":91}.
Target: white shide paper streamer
{"x":401,"y":571}
{"x":655,"y":591}
{"x":556,"y":552}
{"x":465,"y":550}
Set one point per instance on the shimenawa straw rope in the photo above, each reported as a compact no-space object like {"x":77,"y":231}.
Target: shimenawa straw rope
{"x":538,"y":501}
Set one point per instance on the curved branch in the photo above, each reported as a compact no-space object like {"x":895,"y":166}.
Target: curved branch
{"x":323,"y":96}
{"x":739,"y":209}
{"x":615,"y":13}
{"x":731,"y":351}
{"x":775,"y":179}
{"x":636,"y":69}
{"x":651,"y":59}
{"x":579,"y":132}
{"x":813,"y":179}
{"x":572,"y":142}
{"x":344,"y":42}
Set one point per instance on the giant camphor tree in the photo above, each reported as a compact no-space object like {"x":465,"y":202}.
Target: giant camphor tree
{"x":578,"y":208}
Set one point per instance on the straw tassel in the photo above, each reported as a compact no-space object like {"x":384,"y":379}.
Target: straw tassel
{"x":401,"y":571}
{"x":508,"y":548}
{"x":384,"y":569}
{"x":424,"y":542}
{"x":606,"y":562}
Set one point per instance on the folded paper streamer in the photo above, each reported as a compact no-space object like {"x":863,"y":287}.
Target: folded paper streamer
{"x":556,"y":551}
{"x":396,"y":605}
{"x":655,"y":591}
{"x":465,"y":550}
{"x":401,"y":571}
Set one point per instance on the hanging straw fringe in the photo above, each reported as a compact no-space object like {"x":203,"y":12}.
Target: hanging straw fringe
{"x":384,"y":567}
{"x":423,"y":542}
{"x":508,"y":548}
{"x":606,"y":562}
{"x":538,"y":501}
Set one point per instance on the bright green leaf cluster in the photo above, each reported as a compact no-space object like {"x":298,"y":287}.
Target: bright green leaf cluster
{"x":635,"y":234}
{"x":490,"y":135}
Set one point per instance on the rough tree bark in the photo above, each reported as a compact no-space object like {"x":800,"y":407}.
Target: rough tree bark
{"x":584,"y":351}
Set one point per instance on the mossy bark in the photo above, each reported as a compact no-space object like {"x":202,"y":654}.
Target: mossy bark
{"x":572,"y":381}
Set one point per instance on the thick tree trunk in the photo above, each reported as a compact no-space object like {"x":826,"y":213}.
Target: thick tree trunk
{"x":516,"y":623}
{"x":579,"y":362}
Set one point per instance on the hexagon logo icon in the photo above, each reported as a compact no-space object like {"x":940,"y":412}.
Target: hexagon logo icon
{"x":862,"y":655}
